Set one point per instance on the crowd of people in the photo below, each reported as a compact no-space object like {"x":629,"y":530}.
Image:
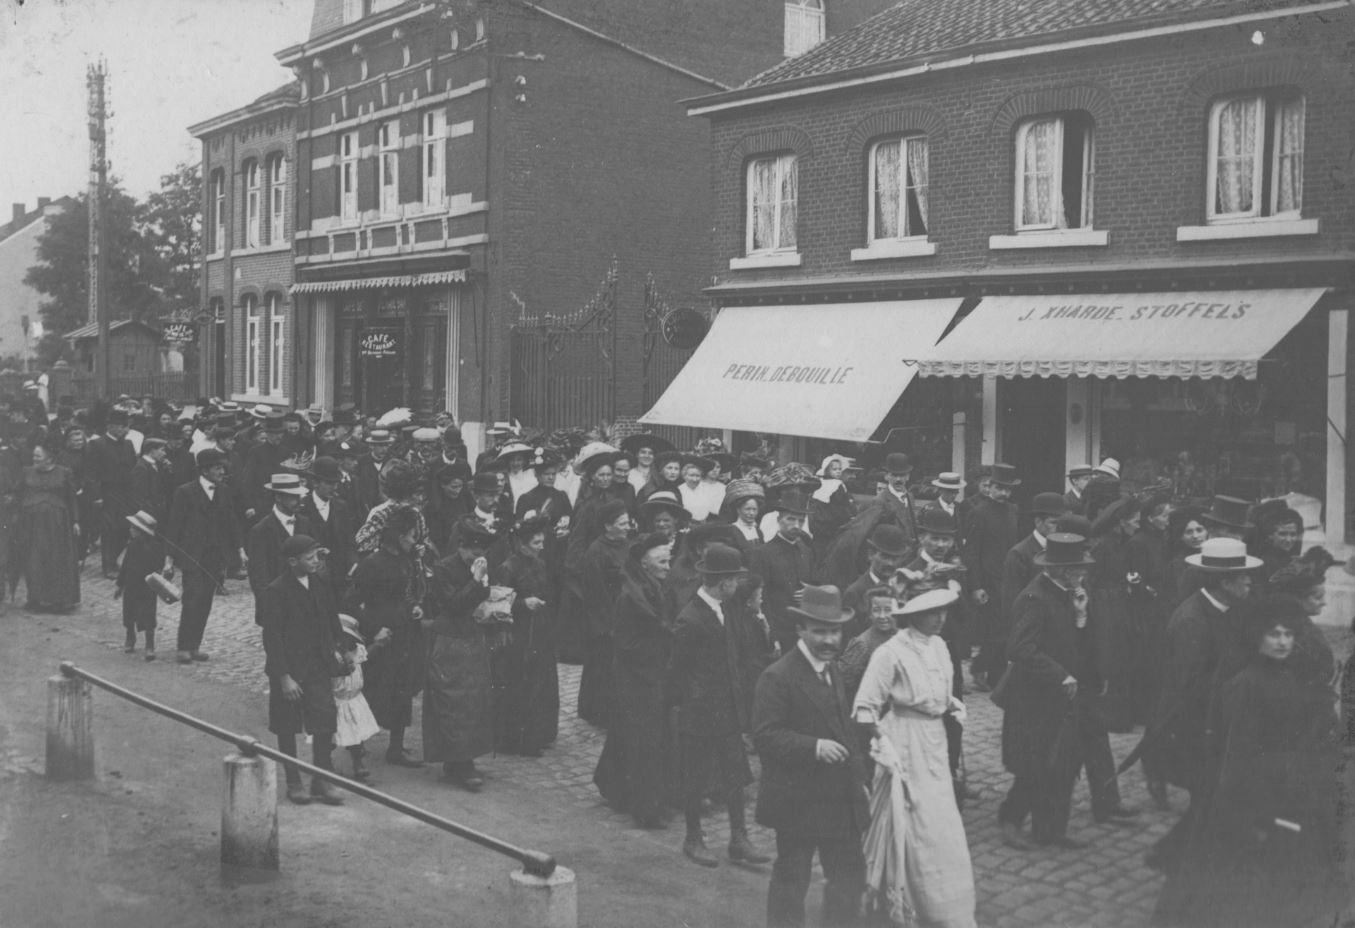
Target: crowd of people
{"x":724,"y":607}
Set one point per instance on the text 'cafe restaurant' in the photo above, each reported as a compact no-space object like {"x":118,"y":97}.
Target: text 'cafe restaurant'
{"x":1213,"y":391}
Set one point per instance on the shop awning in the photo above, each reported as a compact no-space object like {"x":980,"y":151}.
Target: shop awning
{"x":825,"y":370}
{"x":381,"y":283}
{"x":1199,"y":334}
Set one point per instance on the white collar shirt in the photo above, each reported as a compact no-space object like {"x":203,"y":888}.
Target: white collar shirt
{"x":208,"y":487}
{"x":288,"y":522}
{"x":713,"y":603}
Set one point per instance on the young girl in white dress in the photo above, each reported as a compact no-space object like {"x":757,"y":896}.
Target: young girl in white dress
{"x":356,"y":722}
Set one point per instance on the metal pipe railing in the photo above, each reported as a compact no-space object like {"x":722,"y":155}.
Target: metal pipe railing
{"x":536,"y":863}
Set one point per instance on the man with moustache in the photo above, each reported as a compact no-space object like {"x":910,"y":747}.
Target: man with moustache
{"x":786,"y":564}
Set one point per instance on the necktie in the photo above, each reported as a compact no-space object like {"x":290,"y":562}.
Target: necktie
{"x":824,"y":676}
{"x":1080,"y":607}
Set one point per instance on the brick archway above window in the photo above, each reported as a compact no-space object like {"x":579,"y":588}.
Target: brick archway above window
{"x":1085,"y":97}
{"x":921,"y":119}
{"x":765,"y":141}
{"x":1308,"y":75}
{"x":248,"y":291}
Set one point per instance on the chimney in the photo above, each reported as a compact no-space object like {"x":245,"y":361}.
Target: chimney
{"x":19,"y":211}
{"x":43,"y":203}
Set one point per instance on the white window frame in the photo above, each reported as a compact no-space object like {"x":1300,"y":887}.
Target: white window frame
{"x":783,"y":163}
{"x":219,"y":211}
{"x":252,"y":204}
{"x":905,"y":235}
{"x":1269,"y":107}
{"x":277,"y":344}
{"x":277,"y":198}
{"x":348,"y":175}
{"x":388,"y":168}
{"x":434,"y":166}
{"x":805,"y":26}
{"x":1056,"y":193}
{"x":251,"y":307}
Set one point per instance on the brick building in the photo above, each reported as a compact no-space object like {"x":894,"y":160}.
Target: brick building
{"x":1118,"y":170}
{"x":495,"y":202}
{"x":249,"y":331}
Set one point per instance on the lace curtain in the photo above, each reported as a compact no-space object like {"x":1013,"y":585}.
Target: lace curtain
{"x":901,"y":188}
{"x":1037,"y":188}
{"x":917,"y":181}
{"x":1235,"y":167}
{"x":1289,"y":154}
{"x":887,"y":190}
{"x":773,"y":187}
{"x":790,"y":192}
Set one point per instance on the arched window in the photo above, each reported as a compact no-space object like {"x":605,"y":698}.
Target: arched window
{"x":1055,"y":161}
{"x":898,"y":188}
{"x":1256,"y":156}
{"x":218,"y":207}
{"x":773,"y":203}
{"x":252,"y":205}
{"x":252,"y":361}
{"x":277,"y":197}
{"x":277,"y":346}
{"x":804,"y":26}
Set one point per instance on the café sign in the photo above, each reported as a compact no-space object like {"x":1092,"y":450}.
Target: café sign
{"x":380,"y":343}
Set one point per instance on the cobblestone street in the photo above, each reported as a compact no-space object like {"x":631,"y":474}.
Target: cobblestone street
{"x":1104,"y":885}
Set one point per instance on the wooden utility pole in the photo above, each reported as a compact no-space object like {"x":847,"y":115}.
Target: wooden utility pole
{"x":98,"y":184}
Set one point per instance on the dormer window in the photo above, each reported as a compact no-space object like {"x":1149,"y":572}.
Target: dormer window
{"x":804,"y":26}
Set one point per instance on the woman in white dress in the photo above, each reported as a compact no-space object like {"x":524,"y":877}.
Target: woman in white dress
{"x":918,"y":870}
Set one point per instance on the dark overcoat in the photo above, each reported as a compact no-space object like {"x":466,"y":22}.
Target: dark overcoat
{"x":301,"y":631}
{"x":458,"y":717}
{"x":793,"y":710}
{"x":264,"y":547}
{"x":1045,"y":648}
{"x":385,"y":588}
{"x":1197,"y":637}
{"x":110,"y":466}
{"x":785,"y":567}
{"x":147,"y":489}
{"x":198,"y":526}
{"x":335,"y":533}
{"x":845,"y":558}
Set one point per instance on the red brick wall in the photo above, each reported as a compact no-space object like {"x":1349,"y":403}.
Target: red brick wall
{"x":1150,"y":100}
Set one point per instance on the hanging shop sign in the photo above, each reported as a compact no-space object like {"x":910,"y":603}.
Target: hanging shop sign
{"x":685,"y":328}
{"x":379,"y":343}
{"x":180,"y":333}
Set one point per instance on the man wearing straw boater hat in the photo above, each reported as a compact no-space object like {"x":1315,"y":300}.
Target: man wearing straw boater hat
{"x":1197,"y":638}
{"x":812,"y":791}
{"x":270,"y":533}
{"x":1049,"y":730}
{"x":710,"y":654}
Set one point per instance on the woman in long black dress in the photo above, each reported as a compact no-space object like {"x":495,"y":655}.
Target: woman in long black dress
{"x":634,"y":770}
{"x":600,"y":576}
{"x":72,"y":457}
{"x":1147,"y":561}
{"x":526,"y":683}
{"x":1265,"y":853}
{"x":585,"y":526}
{"x":389,"y":586}
{"x":1109,"y":584}
{"x":47,"y":530}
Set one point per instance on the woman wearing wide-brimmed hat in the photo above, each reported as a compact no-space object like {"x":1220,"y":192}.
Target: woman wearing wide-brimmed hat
{"x":664,"y":515}
{"x":918,"y":869}
{"x":597,"y":491}
{"x":599,"y":575}
{"x":743,"y":505}
{"x":644,"y":448}
{"x":664,"y":474}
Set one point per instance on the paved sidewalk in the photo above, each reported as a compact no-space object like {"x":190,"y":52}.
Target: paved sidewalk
{"x":1104,"y":885}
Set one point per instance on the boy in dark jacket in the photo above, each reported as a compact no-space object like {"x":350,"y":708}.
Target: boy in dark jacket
{"x":145,"y":555}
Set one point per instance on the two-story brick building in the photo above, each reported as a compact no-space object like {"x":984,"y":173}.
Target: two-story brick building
{"x":1100,"y":227}
{"x":248,"y":338}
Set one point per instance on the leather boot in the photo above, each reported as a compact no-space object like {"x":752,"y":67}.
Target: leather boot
{"x":742,"y":850}
{"x":695,"y":849}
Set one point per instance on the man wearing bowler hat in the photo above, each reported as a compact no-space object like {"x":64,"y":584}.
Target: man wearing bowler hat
{"x":845,"y":558}
{"x":1074,"y":500}
{"x":261,"y":463}
{"x":705,"y":677}
{"x":1198,"y":636}
{"x":786,"y":564}
{"x":1049,"y":719}
{"x":270,"y":533}
{"x":109,"y":459}
{"x":331,"y":520}
{"x":1228,"y":517}
{"x":888,"y":549}
{"x":812,"y":791}
{"x":989,"y":534}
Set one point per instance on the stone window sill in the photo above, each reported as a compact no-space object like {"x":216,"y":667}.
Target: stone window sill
{"x":1062,"y":238}
{"x":775,"y":259}
{"x":900,"y":248}
{"x":1255,"y":228}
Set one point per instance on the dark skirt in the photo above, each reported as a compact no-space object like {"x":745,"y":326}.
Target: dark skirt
{"x":315,"y":712}
{"x":595,"y":683}
{"x":51,"y":563}
{"x":458,"y":719}
{"x":526,"y":690}
{"x":570,"y":621}
{"x":636,"y":772}
{"x":393,"y":676}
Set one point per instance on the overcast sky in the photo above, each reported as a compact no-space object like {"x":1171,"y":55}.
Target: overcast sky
{"x":171,"y":62}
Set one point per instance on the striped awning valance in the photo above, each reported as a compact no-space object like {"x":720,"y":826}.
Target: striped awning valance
{"x":381,"y":283}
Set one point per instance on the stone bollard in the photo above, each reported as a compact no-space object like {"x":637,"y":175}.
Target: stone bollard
{"x":249,"y":813}
{"x":70,"y":729}
{"x":543,"y":902}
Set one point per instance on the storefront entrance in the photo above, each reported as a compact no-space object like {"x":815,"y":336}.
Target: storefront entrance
{"x":392,"y":351}
{"x":1031,"y":416}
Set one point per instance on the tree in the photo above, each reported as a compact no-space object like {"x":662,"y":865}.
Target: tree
{"x":172,"y":218}
{"x":137,"y":274}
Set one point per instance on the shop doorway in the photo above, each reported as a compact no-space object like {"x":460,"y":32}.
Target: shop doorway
{"x":392,"y":352}
{"x":1031,"y":411}
{"x":219,"y":358}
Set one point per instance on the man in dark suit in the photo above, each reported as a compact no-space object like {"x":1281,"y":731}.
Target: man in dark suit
{"x":148,"y":479}
{"x":301,"y":633}
{"x":110,"y":458}
{"x":379,"y":443}
{"x":786,"y":564}
{"x":262,"y":461}
{"x":1050,"y":728}
{"x":270,"y":533}
{"x":888,"y":548}
{"x":202,"y":532}
{"x":331,"y":520}
{"x":1075,"y":500}
{"x":844,"y":560}
{"x":989,"y":534}
{"x":1018,"y":567}
{"x":349,"y":454}
{"x":813,"y":789}
{"x":708,"y":662}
